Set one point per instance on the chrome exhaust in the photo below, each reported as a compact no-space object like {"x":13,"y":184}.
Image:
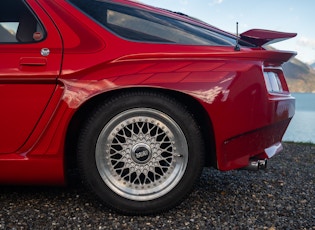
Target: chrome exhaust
{"x":255,"y":165}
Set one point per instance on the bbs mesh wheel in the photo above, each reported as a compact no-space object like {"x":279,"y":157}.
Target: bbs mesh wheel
{"x":142,"y":155}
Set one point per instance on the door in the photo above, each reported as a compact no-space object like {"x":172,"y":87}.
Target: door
{"x":30,"y":61}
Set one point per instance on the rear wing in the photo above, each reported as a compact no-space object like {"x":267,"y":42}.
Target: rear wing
{"x":260,"y":37}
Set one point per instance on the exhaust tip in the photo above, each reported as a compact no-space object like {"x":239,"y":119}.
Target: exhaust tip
{"x":255,"y":165}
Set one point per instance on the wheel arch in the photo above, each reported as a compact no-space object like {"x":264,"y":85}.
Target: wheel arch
{"x":82,"y":113}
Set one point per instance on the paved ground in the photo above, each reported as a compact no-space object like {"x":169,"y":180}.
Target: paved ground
{"x":282,"y":197}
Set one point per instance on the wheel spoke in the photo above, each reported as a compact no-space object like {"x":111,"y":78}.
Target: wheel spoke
{"x":140,"y":164}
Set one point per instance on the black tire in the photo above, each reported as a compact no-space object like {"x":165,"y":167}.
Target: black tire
{"x":141,"y":152}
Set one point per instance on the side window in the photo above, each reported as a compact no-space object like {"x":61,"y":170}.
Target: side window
{"x":141,"y":25}
{"x":18,"y":24}
{"x":145,"y":29}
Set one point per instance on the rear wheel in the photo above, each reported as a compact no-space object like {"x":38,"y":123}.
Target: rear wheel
{"x":141,"y":152}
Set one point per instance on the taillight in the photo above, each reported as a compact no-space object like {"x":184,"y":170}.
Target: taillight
{"x":273,"y":82}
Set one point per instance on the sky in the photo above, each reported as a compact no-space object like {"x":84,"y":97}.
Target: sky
{"x":296,"y":16}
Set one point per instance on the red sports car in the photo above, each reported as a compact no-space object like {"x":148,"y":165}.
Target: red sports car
{"x":135,"y":98}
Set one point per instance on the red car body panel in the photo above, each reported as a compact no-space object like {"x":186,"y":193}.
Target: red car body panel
{"x":41,"y":95}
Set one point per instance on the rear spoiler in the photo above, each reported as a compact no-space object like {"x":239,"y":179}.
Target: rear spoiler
{"x":265,"y":37}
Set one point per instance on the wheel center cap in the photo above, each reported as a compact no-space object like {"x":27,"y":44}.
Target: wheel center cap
{"x":141,"y":153}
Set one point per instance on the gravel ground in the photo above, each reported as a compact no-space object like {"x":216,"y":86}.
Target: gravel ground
{"x":281,"y":197}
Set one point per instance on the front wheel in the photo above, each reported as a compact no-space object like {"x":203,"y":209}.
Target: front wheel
{"x":141,"y":152}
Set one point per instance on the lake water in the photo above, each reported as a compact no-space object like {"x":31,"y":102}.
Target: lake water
{"x":302,"y":126}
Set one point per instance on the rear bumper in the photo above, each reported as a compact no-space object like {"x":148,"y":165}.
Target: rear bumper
{"x":260,"y":143}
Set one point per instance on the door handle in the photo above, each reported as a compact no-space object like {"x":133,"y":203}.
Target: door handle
{"x":33,"y":61}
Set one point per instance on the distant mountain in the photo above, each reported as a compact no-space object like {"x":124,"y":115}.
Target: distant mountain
{"x":300,"y":76}
{"x":313,"y":65}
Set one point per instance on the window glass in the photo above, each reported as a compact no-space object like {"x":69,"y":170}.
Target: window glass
{"x":8,"y":31}
{"x":18,"y":24}
{"x":140,"y":25}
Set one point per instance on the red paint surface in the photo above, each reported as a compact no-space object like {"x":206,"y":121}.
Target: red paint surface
{"x":40,"y":96}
